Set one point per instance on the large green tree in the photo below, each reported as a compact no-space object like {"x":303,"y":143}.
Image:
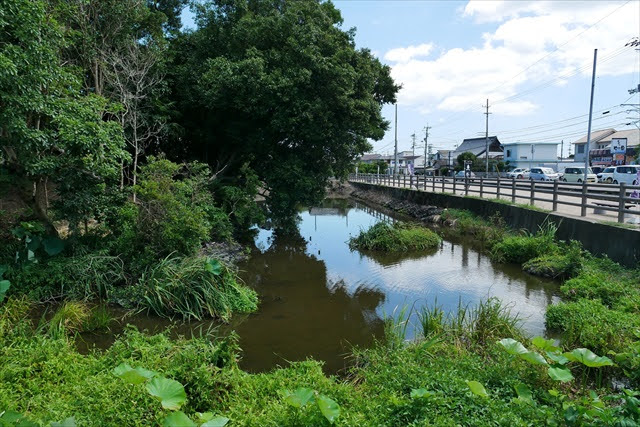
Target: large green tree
{"x":280,"y":85}
{"x":51,"y":131}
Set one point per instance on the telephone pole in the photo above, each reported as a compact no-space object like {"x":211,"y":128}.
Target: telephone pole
{"x":395,"y":150}
{"x":588,"y":145}
{"x":486,"y":150}
{"x":413,"y":143}
{"x":426,"y":144}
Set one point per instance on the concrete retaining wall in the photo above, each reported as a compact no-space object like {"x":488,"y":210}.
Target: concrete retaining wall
{"x":620,"y":244}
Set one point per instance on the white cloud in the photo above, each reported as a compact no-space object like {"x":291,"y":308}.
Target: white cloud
{"x":405,"y":54}
{"x":535,"y":45}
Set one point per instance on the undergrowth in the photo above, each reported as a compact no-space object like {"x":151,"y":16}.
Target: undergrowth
{"x":397,"y":237}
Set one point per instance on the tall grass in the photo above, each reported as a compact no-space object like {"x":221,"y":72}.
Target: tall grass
{"x":186,"y":287}
{"x":477,"y":325}
{"x":522,"y":248}
{"x":398,"y":237}
{"x":70,"y":317}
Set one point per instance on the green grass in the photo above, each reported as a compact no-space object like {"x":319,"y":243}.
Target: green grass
{"x":397,"y":237}
{"x":620,"y":224}
{"x":526,"y":246}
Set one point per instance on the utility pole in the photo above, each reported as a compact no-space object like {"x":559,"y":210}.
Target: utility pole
{"x":413,"y":143}
{"x":561,"y":149}
{"x":588,"y":145}
{"x":486,"y":152}
{"x":395,"y":150}
{"x":426,"y":144}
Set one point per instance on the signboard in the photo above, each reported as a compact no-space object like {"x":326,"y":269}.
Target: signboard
{"x":618,"y":145}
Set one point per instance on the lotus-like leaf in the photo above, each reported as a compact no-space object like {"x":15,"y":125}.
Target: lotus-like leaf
{"x":169,"y":392}
{"x":69,"y":422}
{"x":560,"y":373}
{"x":588,"y":358}
{"x":214,"y":266}
{"x":3,"y":269}
{"x":477,"y":388}
{"x":53,"y":245}
{"x":33,"y":243}
{"x":534,"y":358}
{"x":544,"y":344}
{"x":178,"y":419}
{"x":512,"y":346}
{"x":133,"y":375}
{"x":329,"y":408}
{"x":420,"y":393}
{"x":216,"y":422}
{"x":557,"y":357}
{"x":4,"y":287}
{"x":524,"y":393}
{"x":300,"y":397}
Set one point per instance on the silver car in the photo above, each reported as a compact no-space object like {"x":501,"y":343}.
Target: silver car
{"x":519,"y":173}
{"x":543,"y":174}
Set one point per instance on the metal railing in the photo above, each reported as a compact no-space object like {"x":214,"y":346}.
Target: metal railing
{"x":558,"y":196}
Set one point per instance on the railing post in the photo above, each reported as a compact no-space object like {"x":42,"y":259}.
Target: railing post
{"x":498,"y":188}
{"x":555,"y":195}
{"x":442,"y":178}
{"x":583,"y":203}
{"x":424,"y":184}
{"x":404,"y":181}
{"x":433,"y":183}
{"x":532,"y":193}
{"x":466,"y":185}
{"x":621,"y":201}
{"x":481,"y":186}
{"x":454,"y":184}
{"x":513,"y":190}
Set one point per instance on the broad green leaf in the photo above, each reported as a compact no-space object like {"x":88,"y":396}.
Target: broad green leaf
{"x":560,"y":373}
{"x":203,"y":417}
{"x":33,"y":243}
{"x":3,"y":269}
{"x":10,"y":416}
{"x":216,"y":422}
{"x":512,"y":346}
{"x":214,"y":266}
{"x":300,"y":397}
{"x":4,"y":287}
{"x":524,"y":393}
{"x":329,"y":408}
{"x":169,"y":392}
{"x":178,"y":419}
{"x":477,"y":388}
{"x":53,"y":245}
{"x":133,"y":375}
{"x":420,"y":393}
{"x":544,"y":344}
{"x":534,"y":358}
{"x":69,"y":422}
{"x":558,"y":358}
{"x":588,"y":358}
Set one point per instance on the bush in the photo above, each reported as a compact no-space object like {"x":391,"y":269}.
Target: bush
{"x":194,"y":287}
{"x":487,"y":233}
{"x":519,"y":249}
{"x":565,"y":264}
{"x":398,"y":237}
{"x":591,"y":324}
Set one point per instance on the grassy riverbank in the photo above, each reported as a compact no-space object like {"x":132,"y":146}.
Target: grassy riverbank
{"x":457,"y":376}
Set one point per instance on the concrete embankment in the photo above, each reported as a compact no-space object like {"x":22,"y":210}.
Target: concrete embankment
{"x":620,"y":244}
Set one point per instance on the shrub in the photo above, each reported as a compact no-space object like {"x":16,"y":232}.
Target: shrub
{"x":194,"y":287}
{"x":565,"y":264}
{"x":590,"y":324}
{"x":519,"y":249}
{"x":398,"y":237}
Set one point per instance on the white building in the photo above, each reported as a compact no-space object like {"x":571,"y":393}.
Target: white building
{"x":530,"y":154}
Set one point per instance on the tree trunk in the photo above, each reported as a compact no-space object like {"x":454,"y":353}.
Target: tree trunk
{"x":39,"y":205}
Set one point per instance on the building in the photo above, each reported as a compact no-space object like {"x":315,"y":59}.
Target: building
{"x":478,"y":146}
{"x":530,"y":154}
{"x":407,"y":161}
{"x":601,"y":150}
{"x":444,"y":159}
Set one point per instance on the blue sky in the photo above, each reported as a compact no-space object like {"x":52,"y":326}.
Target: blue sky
{"x":531,"y":59}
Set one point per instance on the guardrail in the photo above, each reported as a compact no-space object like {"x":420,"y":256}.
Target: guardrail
{"x":602,"y":198}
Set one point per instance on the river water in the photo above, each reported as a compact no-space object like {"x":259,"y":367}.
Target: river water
{"x":318,"y":298}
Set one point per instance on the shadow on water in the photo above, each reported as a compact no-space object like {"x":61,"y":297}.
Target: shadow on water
{"x":318,"y":298}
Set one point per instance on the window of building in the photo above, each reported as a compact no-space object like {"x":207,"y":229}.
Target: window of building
{"x":579,"y":149}
{"x":508,"y":153}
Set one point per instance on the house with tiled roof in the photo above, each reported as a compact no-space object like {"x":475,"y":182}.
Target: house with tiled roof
{"x":600,"y":146}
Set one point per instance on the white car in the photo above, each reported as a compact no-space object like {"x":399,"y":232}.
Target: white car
{"x":627,"y":174}
{"x":577,"y":175}
{"x":543,"y":174}
{"x":606,"y":175}
{"x":519,"y":173}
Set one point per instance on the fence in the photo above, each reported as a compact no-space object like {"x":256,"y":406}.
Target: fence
{"x":566,"y":197}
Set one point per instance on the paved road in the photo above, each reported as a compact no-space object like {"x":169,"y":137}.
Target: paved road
{"x":523,"y":194}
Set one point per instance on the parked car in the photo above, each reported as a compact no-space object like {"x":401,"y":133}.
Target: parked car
{"x":606,"y":175}
{"x":577,"y":175}
{"x":627,"y":174}
{"x":597,"y":169}
{"x":519,"y":173}
{"x":460,"y":175}
{"x":543,"y":174}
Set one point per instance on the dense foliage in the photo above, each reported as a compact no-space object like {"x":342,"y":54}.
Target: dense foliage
{"x":396,"y":237}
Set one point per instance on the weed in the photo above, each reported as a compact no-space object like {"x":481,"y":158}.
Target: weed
{"x":398,"y":237}
{"x":70,"y":317}
{"x":522,"y":248}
